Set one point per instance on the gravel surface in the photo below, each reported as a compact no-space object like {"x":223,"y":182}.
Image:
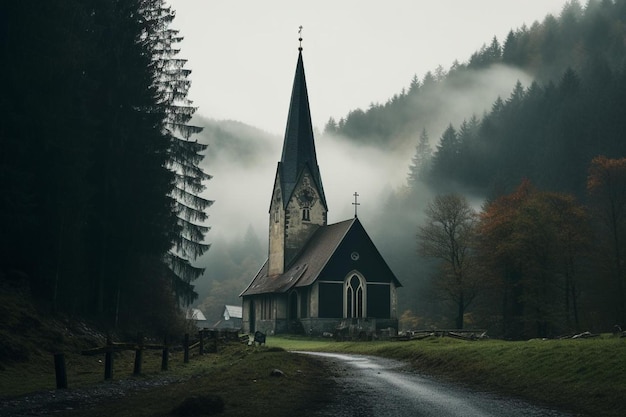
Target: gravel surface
{"x":46,"y":403}
{"x":372,"y":386}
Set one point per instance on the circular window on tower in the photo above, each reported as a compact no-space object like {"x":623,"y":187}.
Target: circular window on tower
{"x":354,"y":256}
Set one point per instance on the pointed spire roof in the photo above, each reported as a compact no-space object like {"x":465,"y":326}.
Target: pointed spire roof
{"x":299,"y":144}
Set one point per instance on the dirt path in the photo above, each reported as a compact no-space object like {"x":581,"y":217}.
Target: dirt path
{"x":373,"y":386}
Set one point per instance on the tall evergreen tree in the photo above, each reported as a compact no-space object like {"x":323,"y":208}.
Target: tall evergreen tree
{"x":184,"y":155}
{"x":447,"y":154}
{"x":421,"y":161}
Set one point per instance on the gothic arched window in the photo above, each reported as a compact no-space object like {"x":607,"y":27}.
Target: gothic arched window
{"x":355,"y":296}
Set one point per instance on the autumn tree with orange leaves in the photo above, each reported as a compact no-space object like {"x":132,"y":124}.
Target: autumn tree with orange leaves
{"x":531,"y":245}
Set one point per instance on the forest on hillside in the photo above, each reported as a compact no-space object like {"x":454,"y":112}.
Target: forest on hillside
{"x":100,"y":179}
{"x":561,"y":137}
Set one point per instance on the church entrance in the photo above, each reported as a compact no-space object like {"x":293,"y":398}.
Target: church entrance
{"x":295,"y":326}
{"x":293,"y":306}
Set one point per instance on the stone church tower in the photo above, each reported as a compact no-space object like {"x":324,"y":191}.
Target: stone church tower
{"x":318,"y":278}
{"x":298,"y":207}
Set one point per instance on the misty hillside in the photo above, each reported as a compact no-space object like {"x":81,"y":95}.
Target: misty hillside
{"x":241,"y":159}
{"x":234,"y":142}
{"x":548,"y":98}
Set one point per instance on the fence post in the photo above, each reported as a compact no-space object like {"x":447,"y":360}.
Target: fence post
{"x":59,"y":370}
{"x":186,"y":354}
{"x":108,"y":359}
{"x":201,"y":333}
{"x":138,"y":354}
{"x":212,"y":347}
{"x":165,"y":355}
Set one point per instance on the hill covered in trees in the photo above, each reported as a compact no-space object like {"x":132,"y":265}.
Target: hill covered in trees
{"x":563,"y":109}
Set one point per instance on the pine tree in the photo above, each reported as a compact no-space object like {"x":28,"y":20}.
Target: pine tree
{"x":134,"y":221}
{"x":331,"y":126}
{"x":415,"y":84}
{"x":421,"y":161}
{"x":446,"y":156}
{"x":185,"y":154}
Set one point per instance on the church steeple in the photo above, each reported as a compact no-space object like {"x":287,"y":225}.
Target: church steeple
{"x":298,"y":206}
{"x":299,"y":144}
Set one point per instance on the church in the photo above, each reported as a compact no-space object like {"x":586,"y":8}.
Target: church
{"x":318,"y":278}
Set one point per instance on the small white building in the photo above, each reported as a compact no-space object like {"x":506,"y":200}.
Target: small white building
{"x":197,"y":316}
{"x":232,"y":312}
{"x":231,"y":318}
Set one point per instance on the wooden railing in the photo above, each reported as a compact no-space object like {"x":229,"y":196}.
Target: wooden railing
{"x":206,"y":342}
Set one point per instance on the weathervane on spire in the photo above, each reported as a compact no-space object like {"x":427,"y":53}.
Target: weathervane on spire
{"x":355,"y":204}
{"x":300,"y":38}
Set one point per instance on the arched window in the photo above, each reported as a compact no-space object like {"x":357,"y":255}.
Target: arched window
{"x":354,"y":306}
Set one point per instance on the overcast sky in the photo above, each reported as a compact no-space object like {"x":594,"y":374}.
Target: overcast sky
{"x":356,"y":52}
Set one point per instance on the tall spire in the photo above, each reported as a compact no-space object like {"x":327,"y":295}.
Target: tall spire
{"x":299,"y":144}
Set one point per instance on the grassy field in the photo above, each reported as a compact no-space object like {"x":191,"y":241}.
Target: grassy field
{"x":239,"y":374}
{"x":583,"y":375}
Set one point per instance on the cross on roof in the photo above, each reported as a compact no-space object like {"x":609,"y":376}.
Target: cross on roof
{"x":355,"y":204}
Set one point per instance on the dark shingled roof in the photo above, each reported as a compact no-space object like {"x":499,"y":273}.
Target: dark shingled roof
{"x":307,"y":266}
{"x":299,"y":144}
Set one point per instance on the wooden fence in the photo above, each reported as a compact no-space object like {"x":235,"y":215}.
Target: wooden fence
{"x":206,"y":342}
{"x":465,"y":334}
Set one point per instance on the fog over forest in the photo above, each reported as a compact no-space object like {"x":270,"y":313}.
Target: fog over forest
{"x":243,"y":159}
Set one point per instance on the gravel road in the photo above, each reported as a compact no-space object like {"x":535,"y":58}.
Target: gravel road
{"x":372,"y":386}
{"x":50,"y":402}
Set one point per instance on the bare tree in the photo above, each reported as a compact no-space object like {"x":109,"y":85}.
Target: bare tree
{"x":449,"y":235}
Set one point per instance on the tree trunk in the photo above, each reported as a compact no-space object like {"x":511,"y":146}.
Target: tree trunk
{"x":460,"y":312}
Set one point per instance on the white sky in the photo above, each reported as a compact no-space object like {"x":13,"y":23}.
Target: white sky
{"x":356,"y":52}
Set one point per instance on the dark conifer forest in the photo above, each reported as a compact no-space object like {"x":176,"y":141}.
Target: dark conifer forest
{"x":100,"y":207}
